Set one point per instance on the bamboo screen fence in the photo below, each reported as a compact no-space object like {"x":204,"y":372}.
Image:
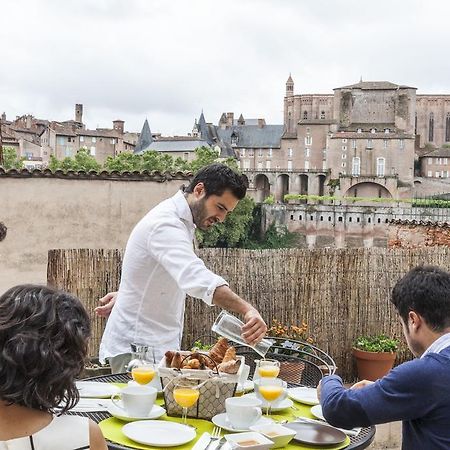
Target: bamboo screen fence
{"x":341,"y":294}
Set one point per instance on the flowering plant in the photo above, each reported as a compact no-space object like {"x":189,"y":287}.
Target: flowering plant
{"x":295,"y":332}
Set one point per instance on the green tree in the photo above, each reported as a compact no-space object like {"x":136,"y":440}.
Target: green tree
{"x":203,"y":157}
{"x":83,"y":160}
{"x":11,"y":160}
{"x":233,"y":231}
{"x":124,"y":162}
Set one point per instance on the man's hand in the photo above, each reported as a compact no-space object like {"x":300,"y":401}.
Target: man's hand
{"x":361,"y":384}
{"x":319,"y":390}
{"x":255,"y":328}
{"x":107,"y":303}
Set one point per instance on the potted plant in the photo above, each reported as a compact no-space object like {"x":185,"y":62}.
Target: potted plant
{"x":375,"y":356}
{"x":291,"y":371}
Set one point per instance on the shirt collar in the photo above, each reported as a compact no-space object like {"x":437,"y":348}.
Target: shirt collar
{"x":438,"y":345}
{"x":183,"y":209}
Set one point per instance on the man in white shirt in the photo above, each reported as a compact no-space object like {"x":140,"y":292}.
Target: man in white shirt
{"x":160,"y":267}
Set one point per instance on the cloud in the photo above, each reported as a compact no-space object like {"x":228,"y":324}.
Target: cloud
{"x":166,"y":60}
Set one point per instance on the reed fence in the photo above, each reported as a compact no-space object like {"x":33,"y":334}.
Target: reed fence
{"x":341,"y":294}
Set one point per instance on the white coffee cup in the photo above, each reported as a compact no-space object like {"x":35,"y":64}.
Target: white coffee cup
{"x":137,"y":401}
{"x":243,"y":412}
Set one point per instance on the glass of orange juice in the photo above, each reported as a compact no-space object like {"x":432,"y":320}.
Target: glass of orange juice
{"x":186,"y":394}
{"x":143,"y":374}
{"x":270,"y":390}
{"x":268,"y":368}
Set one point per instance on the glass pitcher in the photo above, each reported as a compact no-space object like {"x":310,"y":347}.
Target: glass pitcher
{"x":140,"y":356}
{"x":230,"y":327}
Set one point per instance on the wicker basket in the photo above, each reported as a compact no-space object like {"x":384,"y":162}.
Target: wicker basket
{"x":214,"y":390}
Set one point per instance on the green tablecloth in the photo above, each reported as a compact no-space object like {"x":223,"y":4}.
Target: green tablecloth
{"x":112,"y":429}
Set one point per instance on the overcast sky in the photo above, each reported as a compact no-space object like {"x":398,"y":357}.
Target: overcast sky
{"x":166,"y":60}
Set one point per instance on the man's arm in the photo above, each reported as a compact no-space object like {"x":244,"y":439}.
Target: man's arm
{"x":403,"y":394}
{"x":255,"y":328}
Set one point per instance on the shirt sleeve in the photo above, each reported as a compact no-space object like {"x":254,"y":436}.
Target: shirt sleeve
{"x":170,"y":243}
{"x":403,"y":394}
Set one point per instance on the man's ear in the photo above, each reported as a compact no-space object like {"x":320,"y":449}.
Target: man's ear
{"x":415,"y":321}
{"x":199,"y":190}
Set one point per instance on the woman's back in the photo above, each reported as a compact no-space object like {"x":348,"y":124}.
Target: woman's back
{"x":62,"y":433}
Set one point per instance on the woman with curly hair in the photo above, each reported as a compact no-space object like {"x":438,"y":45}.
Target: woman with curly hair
{"x":43,"y":345}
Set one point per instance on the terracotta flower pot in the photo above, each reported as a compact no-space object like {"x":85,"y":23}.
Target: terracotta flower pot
{"x":371,"y":365}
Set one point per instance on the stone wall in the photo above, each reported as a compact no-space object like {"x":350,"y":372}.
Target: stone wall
{"x":46,"y":212}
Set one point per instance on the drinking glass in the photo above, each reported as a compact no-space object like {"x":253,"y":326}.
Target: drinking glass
{"x":230,"y":327}
{"x":143,"y":373}
{"x":270,"y":389}
{"x":268,"y":368}
{"x":186,"y":394}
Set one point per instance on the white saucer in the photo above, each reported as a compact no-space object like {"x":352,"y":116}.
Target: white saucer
{"x":159,"y":433}
{"x":304,"y":394}
{"x":156,"y":412}
{"x":316,"y":411}
{"x":248,"y":386}
{"x":284,"y":404}
{"x":93,"y":389}
{"x":221,"y":420}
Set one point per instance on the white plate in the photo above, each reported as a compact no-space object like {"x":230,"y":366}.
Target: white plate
{"x":92,"y":389}
{"x":316,"y":411}
{"x":221,"y":420}
{"x":156,"y":412}
{"x":159,"y":433}
{"x":248,"y":386}
{"x":284,"y":404}
{"x":305,"y":395}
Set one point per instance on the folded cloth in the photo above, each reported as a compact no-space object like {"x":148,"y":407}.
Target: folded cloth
{"x":203,"y":442}
{"x":351,"y":432}
{"x":91,"y":405}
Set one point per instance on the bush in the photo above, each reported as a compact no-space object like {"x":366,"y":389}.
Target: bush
{"x":378,"y":344}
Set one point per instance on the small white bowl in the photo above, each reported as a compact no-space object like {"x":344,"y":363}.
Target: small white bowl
{"x":279,"y":435}
{"x":248,"y":441}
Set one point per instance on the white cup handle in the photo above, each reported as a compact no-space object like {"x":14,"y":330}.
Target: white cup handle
{"x":115,"y":400}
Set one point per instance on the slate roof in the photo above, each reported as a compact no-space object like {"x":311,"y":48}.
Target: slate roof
{"x":252,"y":136}
{"x":173,"y":145}
{"x":145,"y":138}
{"x":375,"y":85}
{"x":439,"y":152}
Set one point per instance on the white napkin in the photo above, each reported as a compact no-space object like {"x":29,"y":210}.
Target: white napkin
{"x":352,"y":432}
{"x":203,"y":442}
{"x":91,"y":405}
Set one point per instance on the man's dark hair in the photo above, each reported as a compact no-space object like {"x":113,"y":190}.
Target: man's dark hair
{"x":43,"y":342}
{"x":217,"y":178}
{"x":425,"y":290}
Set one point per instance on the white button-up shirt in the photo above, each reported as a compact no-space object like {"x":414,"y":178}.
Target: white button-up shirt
{"x":159,"y":269}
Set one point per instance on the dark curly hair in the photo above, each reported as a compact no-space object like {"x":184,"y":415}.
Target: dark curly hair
{"x":43,"y":343}
{"x":218,"y":178}
{"x":425,"y":290}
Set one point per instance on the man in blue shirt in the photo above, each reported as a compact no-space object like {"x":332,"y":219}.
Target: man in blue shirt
{"x":416,"y":392}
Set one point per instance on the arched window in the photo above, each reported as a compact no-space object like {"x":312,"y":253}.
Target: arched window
{"x":431,"y":128}
{"x":447,"y":128}
{"x":381,"y":163}
{"x":356,"y":166}
{"x":305,"y":115}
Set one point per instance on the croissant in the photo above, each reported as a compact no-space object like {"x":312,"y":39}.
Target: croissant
{"x":193,"y":364}
{"x":169,"y":356}
{"x":219,"y":349}
{"x":176,"y":361}
{"x":230,"y":355}
{"x":230,"y":367}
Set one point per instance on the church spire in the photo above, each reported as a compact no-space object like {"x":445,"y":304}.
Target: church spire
{"x":289,"y":86}
{"x":145,"y":138}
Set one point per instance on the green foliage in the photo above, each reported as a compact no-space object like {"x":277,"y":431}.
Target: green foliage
{"x":203,"y":157}
{"x":81,"y":161}
{"x":379,"y":343}
{"x":233,"y":231}
{"x":11,"y":160}
{"x":199,"y":345}
{"x":270,"y":200}
{"x":124,"y":162}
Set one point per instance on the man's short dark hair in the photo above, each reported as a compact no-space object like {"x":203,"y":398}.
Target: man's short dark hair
{"x":43,"y":342}
{"x":217,"y":178}
{"x":426,"y":291}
